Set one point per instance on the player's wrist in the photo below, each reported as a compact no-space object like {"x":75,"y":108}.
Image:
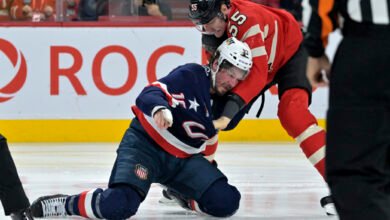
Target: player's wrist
{"x":157,"y":109}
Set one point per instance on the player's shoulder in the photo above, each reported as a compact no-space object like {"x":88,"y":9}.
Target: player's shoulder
{"x":193,"y":67}
{"x":246,"y":6}
{"x":246,"y":11}
{"x":194,"y":70}
{"x":245,"y":14}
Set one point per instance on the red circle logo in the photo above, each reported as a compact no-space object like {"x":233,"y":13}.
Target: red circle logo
{"x":18,"y":61}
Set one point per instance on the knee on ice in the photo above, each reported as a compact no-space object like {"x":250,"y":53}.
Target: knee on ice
{"x":119,"y":203}
{"x":220,"y":200}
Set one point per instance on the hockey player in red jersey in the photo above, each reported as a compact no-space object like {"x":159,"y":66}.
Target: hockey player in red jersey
{"x":275,"y":39}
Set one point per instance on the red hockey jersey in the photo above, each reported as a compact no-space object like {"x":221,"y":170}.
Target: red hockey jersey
{"x":273,"y":36}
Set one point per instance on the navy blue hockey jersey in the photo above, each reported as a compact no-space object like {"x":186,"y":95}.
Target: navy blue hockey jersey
{"x":186,"y":92}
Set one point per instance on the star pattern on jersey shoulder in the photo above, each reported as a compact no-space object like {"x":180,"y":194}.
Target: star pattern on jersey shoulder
{"x":193,"y":105}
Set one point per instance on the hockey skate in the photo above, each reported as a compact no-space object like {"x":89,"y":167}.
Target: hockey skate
{"x":328,"y":204}
{"x":172,"y":197}
{"x":166,"y":199}
{"x":49,"y":206}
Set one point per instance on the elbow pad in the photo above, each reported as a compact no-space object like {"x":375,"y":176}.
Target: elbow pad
{"x":233,"y":105}
{"x":235,"y":109}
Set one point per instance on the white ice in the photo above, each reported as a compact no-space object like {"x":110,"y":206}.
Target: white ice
{"x":276,"y":181}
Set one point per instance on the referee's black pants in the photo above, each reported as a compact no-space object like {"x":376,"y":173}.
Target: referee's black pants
{"x":358,"y":125}
{"x":12,"y":195}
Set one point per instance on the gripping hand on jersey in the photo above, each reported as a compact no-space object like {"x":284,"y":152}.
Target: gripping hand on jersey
{"x":163,"y":118}
{"x":221,"y":123}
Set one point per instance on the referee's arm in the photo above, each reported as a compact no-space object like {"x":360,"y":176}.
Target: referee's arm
{"x":319,"y":19}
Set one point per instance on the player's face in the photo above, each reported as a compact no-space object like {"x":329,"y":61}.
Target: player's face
{"x":216,"y":26}
{"x":227,"y":79}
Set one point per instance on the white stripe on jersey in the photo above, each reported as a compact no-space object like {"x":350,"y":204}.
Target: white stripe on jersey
{"x":354,"y":10}
{"x":172,"y":140}
{"x":317,"y":156}
{"x":266,"y":28}
{"x":252,"y":31}
{"x":380,"y":13}
{"x":258,"y":51}
{"x":271,"y":58}
{"x":88,"y":204}
{"x":310,"y":131}
{"x":212,"y":140}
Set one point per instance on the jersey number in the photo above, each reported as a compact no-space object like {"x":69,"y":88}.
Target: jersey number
{"x":239,"y":19}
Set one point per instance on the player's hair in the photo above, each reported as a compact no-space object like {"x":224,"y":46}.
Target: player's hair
{"x":203,"y":11}
{"x":210,"y":42}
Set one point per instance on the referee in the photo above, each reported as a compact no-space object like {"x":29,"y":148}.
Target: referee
{"x":12,"y":195}
{"x":358,"y":118}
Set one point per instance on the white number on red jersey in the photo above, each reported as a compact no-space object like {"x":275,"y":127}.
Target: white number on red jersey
{"x":239,"y":19}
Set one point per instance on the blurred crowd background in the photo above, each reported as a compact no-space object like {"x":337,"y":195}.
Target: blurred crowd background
{"x":112,"y":10}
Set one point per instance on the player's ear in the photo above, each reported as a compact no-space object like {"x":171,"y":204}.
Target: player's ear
{"x":224,"y":9}
{"x":214,"y":65}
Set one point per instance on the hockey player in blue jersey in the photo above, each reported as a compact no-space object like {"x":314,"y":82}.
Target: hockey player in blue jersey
{"x":167,"y":142}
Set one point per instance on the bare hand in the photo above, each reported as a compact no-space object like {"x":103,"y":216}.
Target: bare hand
{"x":221,"y":123}
{"x":163,"y":118}
{"x":318,"y":70}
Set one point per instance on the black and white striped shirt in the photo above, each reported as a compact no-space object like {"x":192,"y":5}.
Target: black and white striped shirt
{"x":367,"y":11}
{"x":320,"y":17}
